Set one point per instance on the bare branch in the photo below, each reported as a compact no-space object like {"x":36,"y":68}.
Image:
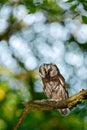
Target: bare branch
{"x":24,"y":113}
{"x":51,"y":105}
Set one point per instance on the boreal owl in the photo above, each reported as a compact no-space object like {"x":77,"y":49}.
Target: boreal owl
{"x":53,"y":83}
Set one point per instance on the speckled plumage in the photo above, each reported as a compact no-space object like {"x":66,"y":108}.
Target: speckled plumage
{"x":53,"y":83}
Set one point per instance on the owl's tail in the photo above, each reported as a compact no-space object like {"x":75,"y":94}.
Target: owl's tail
{"x":63,"y":111}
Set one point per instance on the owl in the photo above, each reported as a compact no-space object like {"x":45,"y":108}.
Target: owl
{"x":53,"y":83}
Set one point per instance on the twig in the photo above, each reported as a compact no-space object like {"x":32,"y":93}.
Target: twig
{"x":24,"y":113}
{"x":51,"y":105}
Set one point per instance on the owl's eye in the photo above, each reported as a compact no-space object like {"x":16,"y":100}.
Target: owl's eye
{"x":53,"y":71}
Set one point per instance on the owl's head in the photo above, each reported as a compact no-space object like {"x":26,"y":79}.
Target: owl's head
{"x":48,"y":70}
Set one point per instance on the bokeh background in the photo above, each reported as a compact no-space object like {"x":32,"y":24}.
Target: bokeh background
{"x":33,"y":32}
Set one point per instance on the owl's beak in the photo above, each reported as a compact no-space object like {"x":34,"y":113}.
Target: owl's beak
{"x":48,"y":73}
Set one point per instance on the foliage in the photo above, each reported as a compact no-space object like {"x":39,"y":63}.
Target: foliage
{"x":19,"y":82}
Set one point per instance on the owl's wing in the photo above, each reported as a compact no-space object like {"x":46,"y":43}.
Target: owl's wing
{"x":47,"y":89}
{"x":62,"y":82}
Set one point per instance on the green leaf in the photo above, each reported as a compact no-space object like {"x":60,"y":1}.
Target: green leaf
{"x":3,"y":2}
{"x":72,"y":8}
{"x":84,"y":19}
{"x":69,"y":1}
{"x":85,"y":5}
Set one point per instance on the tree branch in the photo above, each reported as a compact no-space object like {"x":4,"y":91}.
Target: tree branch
{"x":51,"y":105}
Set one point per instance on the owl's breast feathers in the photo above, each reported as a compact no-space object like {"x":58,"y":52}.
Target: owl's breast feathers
{"x":48,"y":79}
{"x":54,"y":84}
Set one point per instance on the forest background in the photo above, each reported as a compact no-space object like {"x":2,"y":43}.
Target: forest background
{"x":33,"y":32}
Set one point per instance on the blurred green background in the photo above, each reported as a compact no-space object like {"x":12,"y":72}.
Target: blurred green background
{"x":33,"y":32}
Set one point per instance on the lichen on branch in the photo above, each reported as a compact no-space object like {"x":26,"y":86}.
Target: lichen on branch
{"x":51,"y":105}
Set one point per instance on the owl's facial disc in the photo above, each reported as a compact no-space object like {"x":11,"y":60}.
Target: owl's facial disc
{"x":54,"y":70}
{"x":48,"y":70}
